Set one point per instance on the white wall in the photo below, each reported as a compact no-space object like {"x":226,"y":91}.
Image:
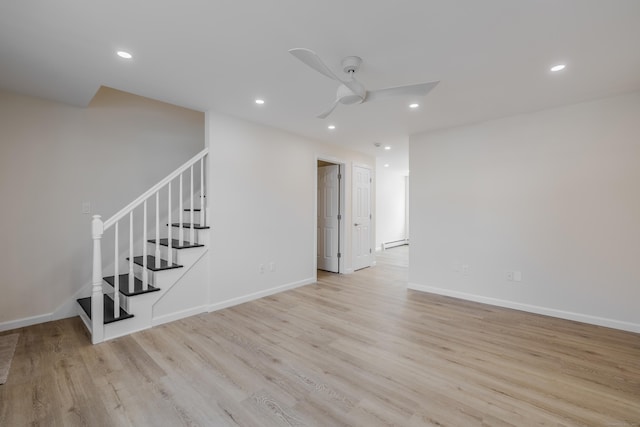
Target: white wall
{"x":262,"y":207}
{"x":390,"y":204}
{"x":553,"y":194}
{"x":53,"y":157}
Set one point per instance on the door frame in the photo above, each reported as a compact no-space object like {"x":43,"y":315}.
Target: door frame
{"x":372,"y":203}
{"x":342,"y":166}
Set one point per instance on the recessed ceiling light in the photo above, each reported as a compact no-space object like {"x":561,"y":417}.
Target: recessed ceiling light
{"x":414,"y":105}
{"x":387,"y":147}
{"x":558,"y":67}
{"x":259,"y":101}
{"x":331,"y":127}
{"x":124,"y":54}
{"x":386,"y":165}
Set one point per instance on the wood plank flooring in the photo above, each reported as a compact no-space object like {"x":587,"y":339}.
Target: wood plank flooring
{"x":356,"y":350}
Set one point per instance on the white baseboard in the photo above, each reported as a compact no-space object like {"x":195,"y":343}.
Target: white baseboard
{"x":25,"y":321}
{"x":70,"y":307}
{"x":578,"y":317}
{"x":179,"y":315}
{"x":256,"y":295}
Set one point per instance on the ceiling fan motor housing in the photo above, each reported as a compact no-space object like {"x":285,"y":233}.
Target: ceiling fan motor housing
{"x":351,"y":64}
{"x":357,"y":93}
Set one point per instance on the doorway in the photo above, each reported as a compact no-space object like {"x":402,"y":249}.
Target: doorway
{"x":329,"y":216}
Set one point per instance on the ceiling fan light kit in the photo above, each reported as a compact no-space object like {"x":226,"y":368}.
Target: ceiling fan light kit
{"x":351,"y":91}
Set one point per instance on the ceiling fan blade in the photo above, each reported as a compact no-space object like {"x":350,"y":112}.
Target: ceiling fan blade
{"x":329,"y":110}
{"x":310,"y":58}
{"x":416,"y":90}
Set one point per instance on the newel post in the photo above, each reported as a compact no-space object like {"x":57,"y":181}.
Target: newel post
{"x":97,"y":304}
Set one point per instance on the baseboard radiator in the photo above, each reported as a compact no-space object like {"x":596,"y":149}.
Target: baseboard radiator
{"x":395,"y":243}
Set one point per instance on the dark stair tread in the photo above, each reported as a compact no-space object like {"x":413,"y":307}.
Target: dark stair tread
{"x":85,"y":303}
{"x":175,"y":243}
{"x":124,"y":285}
{"x":151,"y":263}
{"x":188,"y":225}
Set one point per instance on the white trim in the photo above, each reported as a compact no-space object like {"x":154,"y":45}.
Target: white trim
{"x":329,"y":159}
{"x":172,"y":317}
{"x":568,"y":315}
{"x":342,"y":230}
{"x":69,"y":308}
{"x":257,"y":295}
{"x":85,"y":319}
{"x":363,"y":165}
{"x":25,"y":321}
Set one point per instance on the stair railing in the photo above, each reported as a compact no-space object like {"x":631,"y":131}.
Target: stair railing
{"x":98,"y":228}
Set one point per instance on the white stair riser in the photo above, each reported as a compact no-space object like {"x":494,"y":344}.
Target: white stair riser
{"x":107,"y":289}
{"x":175,"y":233}
{"x":179,"y":255}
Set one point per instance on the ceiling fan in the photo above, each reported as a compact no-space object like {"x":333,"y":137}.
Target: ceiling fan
{"x":352,"y":91}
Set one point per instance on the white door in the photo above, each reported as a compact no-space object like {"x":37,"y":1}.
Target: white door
{"x":361,"y":217}
{"x":328,"y":223}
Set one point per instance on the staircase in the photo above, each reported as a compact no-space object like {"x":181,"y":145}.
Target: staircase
{"x":164,"y":262}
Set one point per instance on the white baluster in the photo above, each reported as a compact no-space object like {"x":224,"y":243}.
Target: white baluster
{"x":116,"y":278}
{"x":180,"y":214}
{"x":145,"y":272}
{"x":158,"y":229}
{"x":97,"y":315}
{"x":131,"y":276}
{"x":169,"y":233}
{"x":202,"y":221}
{"x":193,"y":232}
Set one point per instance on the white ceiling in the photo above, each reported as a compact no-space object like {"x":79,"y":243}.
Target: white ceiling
{"x":492,"y":57}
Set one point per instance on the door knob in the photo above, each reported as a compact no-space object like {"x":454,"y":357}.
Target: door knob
{"x":356,"y":224}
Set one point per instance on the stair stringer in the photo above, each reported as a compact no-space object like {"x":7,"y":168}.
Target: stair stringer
{"x":184,"y":280}
{"x":187,"y":297}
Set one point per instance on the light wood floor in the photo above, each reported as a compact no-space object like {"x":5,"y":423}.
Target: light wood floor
{"x":356,"y":350}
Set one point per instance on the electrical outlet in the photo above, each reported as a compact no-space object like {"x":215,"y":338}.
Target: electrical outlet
{"x":86,"y":207}
{"x":509,"y":275}
{"x":465,"y":269}
{"x":261,"y":268}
